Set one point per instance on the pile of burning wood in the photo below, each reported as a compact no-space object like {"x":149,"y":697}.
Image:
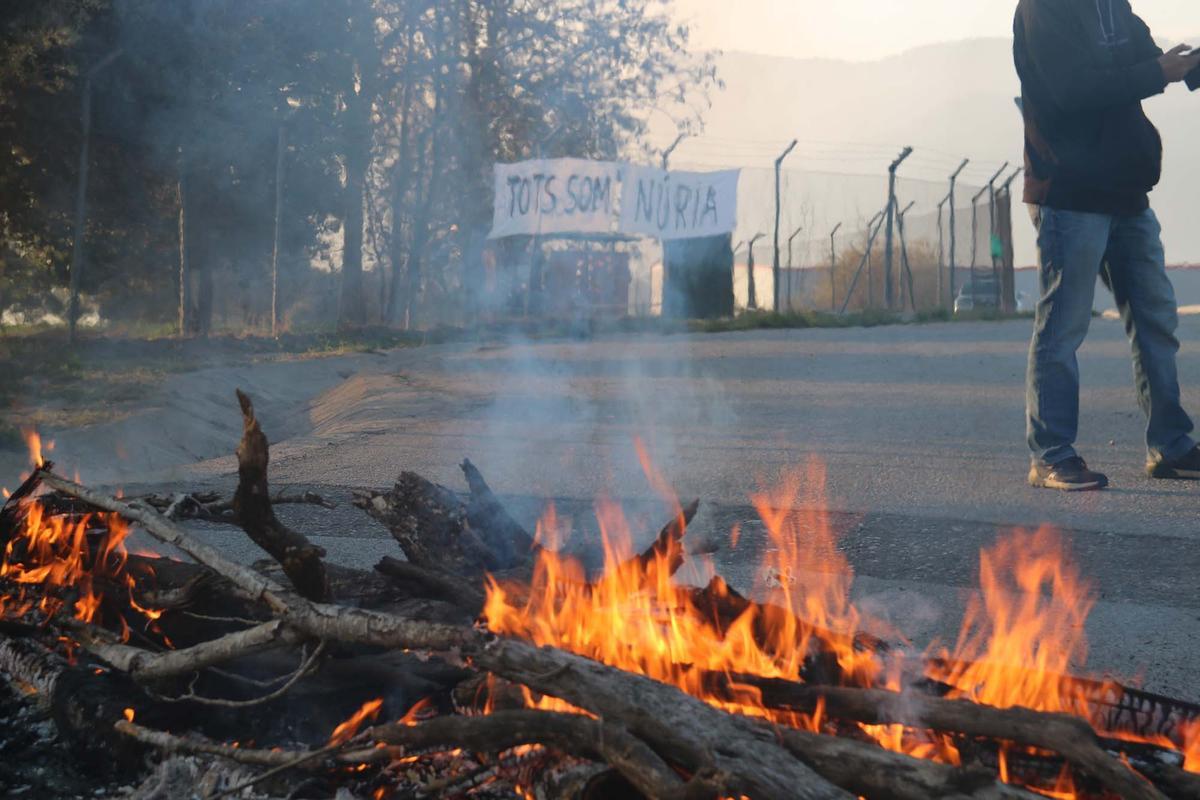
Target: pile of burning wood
{"x":488,"y":664}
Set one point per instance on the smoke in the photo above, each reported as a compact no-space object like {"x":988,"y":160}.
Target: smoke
{"x":564,"y":416}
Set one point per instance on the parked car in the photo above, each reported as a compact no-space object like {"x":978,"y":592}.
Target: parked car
{"x":979,"y":293}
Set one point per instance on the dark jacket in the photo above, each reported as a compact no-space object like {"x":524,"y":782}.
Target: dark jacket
{"x":1085,"y":67}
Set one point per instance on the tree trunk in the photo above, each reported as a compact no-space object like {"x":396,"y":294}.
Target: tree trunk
{"x":400,"y":188}
{"x":352,"y":308}
{"x":185,"y":276}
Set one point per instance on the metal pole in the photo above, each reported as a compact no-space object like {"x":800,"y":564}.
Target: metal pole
{"x":872,"y":231}
{"x":1005,"y":283}
{"x":833,"y":267}
{"x":912,"y":297}
{"x":282,"y":150}
{"x":953,"y":227}
{"x":778,"y":212}
{"x":992,"y":229}
{"x":752,"y":298}
{"x":791,"y":266}
{"x":975,"y":230}
{"x":991,"y":184}
{"x":77,"y":254}
{"x":873,"y":225}
{"x":941,"y":262}
{"x":891,"y":219}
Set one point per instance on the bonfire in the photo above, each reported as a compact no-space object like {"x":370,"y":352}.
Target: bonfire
{"x":489,"y":663}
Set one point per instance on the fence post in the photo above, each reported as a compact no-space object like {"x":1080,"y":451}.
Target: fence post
{"x":833,"y":267}
{"x":778,"y":212}
{"x":1003,"y":221}
{"x":992,"y":228}
{"x":941,"y":262}
{"x":954,"y":229}
{"x":791,"y":266}
{"x":975,"y":230}
{"x":872,"y":231}
{"x":752,"y":294}
{"x":888,"y":291}
{"x":907,"y":271}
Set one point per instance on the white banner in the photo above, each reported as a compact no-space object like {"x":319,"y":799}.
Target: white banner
{"x":563,"y":195}
{"x":678,"y":205}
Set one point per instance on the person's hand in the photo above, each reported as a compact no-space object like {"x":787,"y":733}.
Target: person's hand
{"x":1179,"y":63}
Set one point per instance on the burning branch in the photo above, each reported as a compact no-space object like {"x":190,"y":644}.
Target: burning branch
{"x":1069,"y":736}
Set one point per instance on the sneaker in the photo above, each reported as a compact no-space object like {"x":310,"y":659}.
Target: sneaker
{"x":1184,"y":468}
{"x":1070,"y":475}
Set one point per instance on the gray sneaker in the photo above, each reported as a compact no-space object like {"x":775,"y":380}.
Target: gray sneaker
{"x":1184,"y":468}
{"x":1069,"y":475}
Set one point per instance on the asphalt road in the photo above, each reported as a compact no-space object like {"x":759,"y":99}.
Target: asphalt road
{"x":919,"y":429}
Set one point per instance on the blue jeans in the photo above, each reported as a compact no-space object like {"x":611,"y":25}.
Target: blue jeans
{"x":1127,"y":253}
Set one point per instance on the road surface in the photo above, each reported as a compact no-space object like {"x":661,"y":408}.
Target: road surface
{"x":920,"y":430}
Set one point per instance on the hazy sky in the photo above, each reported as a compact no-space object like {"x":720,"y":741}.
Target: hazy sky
{"x":869,"y":29}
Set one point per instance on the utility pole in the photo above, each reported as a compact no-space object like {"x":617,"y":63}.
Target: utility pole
{"x":953,"y":228}
{"x":791,"y":266}
{"x":752,"y":295}
{"x":279,"y":163}
{"x":891,"y":219}
{"x":833,"y":267}
{"x":778,"y":212}
{"x":77,"y":254}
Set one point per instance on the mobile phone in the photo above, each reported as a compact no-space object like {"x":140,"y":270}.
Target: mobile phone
{"x":1193,"y":78}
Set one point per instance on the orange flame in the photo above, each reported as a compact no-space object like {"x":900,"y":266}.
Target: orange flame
{"x":33,"y":441}
{"x":1191,"y":746}
{"x":635,"y":617}
{"x":421,"y":710}
{"x":349,"y":729}
{"x":129,"y":715}
{"x":1025,"y":631}
{"x":51,"y":556}
{"x":1020,"y":638}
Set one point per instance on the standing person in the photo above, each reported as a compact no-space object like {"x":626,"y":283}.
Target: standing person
{"x":1092,"y":157}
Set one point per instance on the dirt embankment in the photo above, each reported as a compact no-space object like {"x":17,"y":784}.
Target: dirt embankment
{"x":127,"y":410}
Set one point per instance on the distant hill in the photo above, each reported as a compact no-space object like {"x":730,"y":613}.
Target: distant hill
{"x":947,"y":100}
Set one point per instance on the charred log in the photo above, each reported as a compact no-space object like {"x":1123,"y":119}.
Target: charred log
{"x":508,"y":542}
{"x":82,"y":700}
{"x":430,"y":524}
{"x":434,"y":583}
{"x":301,"y":560}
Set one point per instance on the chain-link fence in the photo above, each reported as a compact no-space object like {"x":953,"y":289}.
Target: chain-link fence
{"x":833,"y":236}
